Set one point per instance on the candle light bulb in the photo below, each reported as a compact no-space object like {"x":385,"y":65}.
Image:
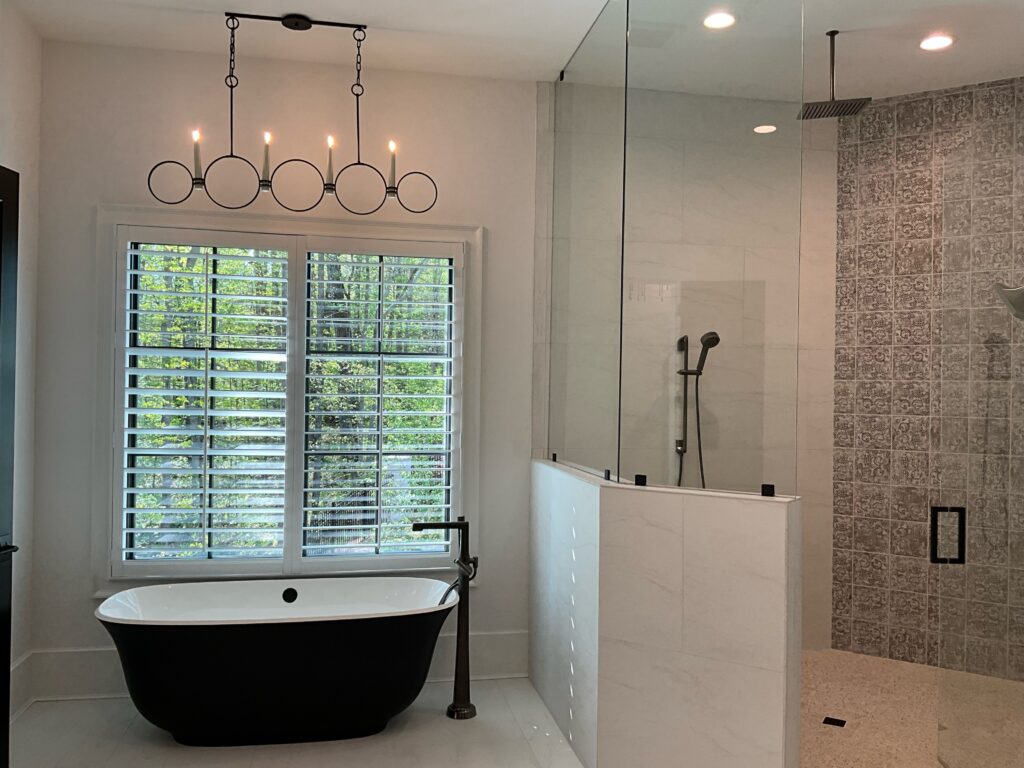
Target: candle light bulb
{"x":265,"y":176}
{"x":197,"y":160}
{"x":393,"y":149}
{"x":330,"y":159}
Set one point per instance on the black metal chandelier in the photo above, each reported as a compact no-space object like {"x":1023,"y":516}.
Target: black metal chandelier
{"x":330,"y":183}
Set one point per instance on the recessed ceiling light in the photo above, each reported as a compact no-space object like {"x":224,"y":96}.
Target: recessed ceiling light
{"x":719,"y":20}
{"x":936,"y":42}
{"x":766,"y":129}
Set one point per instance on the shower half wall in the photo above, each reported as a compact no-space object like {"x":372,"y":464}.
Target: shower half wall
{"x":929,"y":378}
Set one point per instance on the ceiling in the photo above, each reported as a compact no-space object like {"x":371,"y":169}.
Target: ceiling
{"x":508,"y":39}
{"x":761,"y":57}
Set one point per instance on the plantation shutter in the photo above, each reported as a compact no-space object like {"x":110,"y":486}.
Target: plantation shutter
{"x":205,"y":373}
{"x":379,"y":442}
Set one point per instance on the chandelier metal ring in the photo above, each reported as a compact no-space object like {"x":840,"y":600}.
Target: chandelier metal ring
{"x":191,"y":184}
{"x":337,"y":189}
{"x":398,"y":192}
{"x":323,"y":185}
{"x":206,"y":186}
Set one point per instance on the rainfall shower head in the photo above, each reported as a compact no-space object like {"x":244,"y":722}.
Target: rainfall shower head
{"x":817,"y":110}
{"x":707,"y":341}
{"x":1013,"y":298}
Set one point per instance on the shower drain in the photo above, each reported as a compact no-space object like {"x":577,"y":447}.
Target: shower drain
{"x":837,"y":722}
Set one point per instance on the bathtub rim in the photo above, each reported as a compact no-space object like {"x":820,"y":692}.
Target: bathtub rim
{"x":451,"y":601}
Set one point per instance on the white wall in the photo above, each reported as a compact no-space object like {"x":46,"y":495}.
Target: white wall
{"x":20,"y":85}
{"x":110,"y":113}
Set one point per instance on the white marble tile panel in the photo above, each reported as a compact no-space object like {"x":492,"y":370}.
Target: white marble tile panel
{"x":641,"y":586}
{"x":583,"y":108}
{"x":735,"y":581}
{"x":664,"y":708}
{"x":745,"y":196}
{"x":654,"y":194}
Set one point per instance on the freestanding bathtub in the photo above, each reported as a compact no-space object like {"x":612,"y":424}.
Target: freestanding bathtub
{"x":261,"y":662}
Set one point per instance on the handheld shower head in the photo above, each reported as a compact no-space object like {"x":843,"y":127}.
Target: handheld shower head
{"x":707,"y":341}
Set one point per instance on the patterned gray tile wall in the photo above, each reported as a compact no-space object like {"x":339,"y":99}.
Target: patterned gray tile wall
{"x":929,"y":378}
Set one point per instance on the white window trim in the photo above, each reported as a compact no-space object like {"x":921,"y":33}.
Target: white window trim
{"x":117,"y":224}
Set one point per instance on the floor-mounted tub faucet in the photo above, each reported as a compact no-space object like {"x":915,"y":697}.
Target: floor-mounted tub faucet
{"x":461,"y":707}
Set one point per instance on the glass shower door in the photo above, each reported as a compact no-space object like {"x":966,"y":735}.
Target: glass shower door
{"x":976,"y":590}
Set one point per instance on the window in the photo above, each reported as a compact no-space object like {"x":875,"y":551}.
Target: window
{"x":286,"y":404}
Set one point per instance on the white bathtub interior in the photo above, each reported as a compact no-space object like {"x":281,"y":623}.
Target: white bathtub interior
{"x":262,"y":602}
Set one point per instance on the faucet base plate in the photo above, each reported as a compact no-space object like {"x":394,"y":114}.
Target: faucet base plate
{"x":467,"y":712}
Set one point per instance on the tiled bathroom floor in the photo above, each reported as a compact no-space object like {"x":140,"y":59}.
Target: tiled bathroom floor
{"x":902,"y":715}
{"x":513,"y":730}
{"x":898,"y":715}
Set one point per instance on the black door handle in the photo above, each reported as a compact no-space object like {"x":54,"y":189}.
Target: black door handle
{"x":8,"y":549}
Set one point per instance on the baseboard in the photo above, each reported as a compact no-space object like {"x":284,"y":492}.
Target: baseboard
{"x":21,"y":684}
{"x":48,"y":674}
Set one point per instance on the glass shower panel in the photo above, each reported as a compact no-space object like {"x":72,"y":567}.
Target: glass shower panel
{"x":587,"y":247}
{"x":976,"y":590}
{"x":712,"y":245}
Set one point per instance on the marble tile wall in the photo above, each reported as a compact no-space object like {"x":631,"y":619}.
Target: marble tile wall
{"x":666,"y":622}
{"x":929,"y":378}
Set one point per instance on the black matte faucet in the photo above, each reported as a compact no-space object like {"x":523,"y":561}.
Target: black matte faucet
{"x":461,"y":707}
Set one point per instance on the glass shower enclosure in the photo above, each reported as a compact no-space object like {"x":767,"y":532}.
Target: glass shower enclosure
{"x":676,"y":248}
{"x":692,"y":215}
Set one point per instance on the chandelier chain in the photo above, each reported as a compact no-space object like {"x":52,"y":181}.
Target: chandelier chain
{"x":357,"y":88}
{"x":231,"y":81}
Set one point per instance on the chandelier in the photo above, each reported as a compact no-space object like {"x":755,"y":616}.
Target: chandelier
{"x":340,"y":185}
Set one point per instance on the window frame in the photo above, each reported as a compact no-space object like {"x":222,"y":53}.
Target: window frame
{"x":465,"y":397}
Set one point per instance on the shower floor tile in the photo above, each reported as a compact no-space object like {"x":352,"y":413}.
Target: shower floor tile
{"x":513,"y":730}
{"x":902,"y":715}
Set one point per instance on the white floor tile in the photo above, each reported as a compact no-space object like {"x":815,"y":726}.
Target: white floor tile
{"x":513,"y":729}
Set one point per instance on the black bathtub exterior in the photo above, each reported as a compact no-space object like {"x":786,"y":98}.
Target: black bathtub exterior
{"x":272,"y":683}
